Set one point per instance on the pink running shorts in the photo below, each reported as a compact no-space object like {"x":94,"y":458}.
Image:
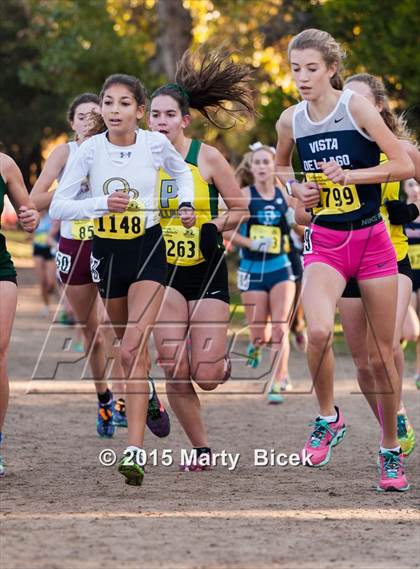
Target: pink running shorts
{"x":360,"y":253}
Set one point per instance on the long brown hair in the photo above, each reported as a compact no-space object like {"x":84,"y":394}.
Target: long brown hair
{"x":207,"y":82}
{"x":331,"y":51}
{"x":395,"y":123}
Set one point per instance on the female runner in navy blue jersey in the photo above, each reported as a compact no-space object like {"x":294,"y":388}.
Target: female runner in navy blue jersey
{"x":339,"y":136}
{"x":265,"y":276}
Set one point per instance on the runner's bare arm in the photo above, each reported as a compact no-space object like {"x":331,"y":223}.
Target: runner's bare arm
{"x":307,"y":192}
{"x":414,"y":154}
{"x":41,"y":194}
{"x":285,"y":145}
{"x":222,"y":176}
{"x":18,"y":194}
{"x":234,"y":236}
{"x":398,"y":167}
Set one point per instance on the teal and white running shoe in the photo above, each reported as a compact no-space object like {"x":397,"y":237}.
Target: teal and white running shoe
{"x":254,"y":356}
{"x":274,"y":395}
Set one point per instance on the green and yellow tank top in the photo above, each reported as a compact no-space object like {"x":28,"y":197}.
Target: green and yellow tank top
{"x":391,"y":191}
{"x":183,"y":245}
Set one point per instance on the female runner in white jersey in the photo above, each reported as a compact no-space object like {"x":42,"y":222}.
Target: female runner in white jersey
{"x":73,"y":264}
{"x":339,"y":136}
{"x":128,"y":260}
{"x":196,"y":303}
{"x":12,"y":185}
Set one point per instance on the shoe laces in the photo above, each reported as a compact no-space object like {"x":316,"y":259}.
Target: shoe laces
{"x":155,"y":409}
{"x":401,"y":426}
{"x":105,"y":411}
{"x":105,"y":414}
{"x":321,"y":429}
{"x":392,"y":463}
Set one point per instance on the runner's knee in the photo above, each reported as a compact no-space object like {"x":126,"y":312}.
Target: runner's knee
{"x":320,"y":337}
{"x":209,"y":376}
{"x":173,"y":369}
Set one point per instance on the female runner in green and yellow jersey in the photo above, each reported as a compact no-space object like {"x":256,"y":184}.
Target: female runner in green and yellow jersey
{"x":12,"y":185}
{"x":195,"y":312}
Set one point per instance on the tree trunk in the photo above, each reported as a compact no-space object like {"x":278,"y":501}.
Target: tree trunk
{"x":174,"y":35}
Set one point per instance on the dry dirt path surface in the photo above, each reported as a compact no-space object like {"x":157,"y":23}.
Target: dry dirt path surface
{"x":61,"y":509}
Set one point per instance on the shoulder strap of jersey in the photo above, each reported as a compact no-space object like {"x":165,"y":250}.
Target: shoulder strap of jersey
{"x":193,"y":151}
{"x":254,"y":192}
{"x":346,"y":95}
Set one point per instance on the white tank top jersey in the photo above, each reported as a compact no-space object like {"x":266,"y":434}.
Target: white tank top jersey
{"x":139,"y":176}
{"x":66,"y":227}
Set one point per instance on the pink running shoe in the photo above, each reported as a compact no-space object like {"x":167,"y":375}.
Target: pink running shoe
{"x":324,"y":437}
{"x":392,"y":473}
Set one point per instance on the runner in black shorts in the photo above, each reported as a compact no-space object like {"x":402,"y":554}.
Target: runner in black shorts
{"x":351,"y":309}
{"x":196,"y":305}
{"x":411,"y":325}
{"x":128,"y":253}
{"x":44,"y":243}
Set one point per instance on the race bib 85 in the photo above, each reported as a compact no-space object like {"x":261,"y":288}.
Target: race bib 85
{"x":83,"y":230}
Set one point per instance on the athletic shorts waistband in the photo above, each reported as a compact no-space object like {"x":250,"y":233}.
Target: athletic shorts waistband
{"x":366,"y":221}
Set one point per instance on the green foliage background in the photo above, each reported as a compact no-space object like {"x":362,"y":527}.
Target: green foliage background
{"x":52,"y":50}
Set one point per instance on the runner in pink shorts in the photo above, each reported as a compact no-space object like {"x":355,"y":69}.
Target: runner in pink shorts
{"x":363,"y":254}
{"x":339,"y":136}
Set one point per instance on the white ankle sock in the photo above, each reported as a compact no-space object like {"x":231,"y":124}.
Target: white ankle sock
{"x":396,"y":449}
{"x":132,"y":448}
{"x":329,"y":418}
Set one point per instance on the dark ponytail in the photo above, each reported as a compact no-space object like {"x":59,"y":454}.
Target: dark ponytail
{"x":207,"y":82}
